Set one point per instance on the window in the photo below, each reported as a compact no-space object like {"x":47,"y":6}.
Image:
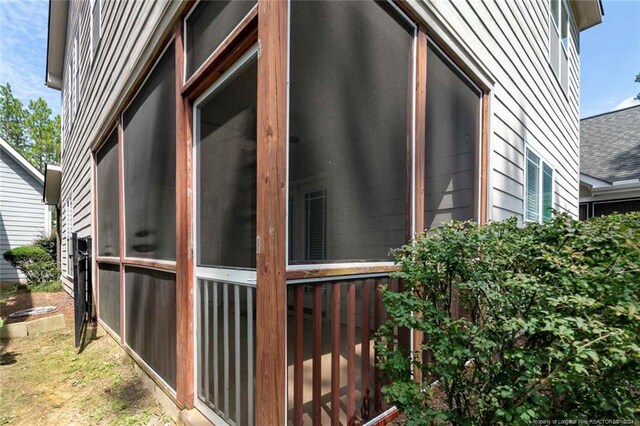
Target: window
{"x":559,"y":26}
{"x":150,"y":319}
{"x":453,"y":113}
{"x":227,"y":172}
{"x":207,"y":27}
{"x":349,"y":109}
{"x":109,"y":295}
{"x":539,"y":189}
{"x":96,"y":30}
{"x":108,"y":197}
{"x":149,"y":165}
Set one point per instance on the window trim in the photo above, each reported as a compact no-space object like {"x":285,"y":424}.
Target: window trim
{"x":338,"y":265}
{"x":541,"y":163}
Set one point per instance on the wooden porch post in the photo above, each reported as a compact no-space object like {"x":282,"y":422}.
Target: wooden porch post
{"x":184,"y":252}
{"x":270,"y":391}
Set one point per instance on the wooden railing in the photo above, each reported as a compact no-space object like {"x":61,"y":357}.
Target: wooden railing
{"x":332,"y":374}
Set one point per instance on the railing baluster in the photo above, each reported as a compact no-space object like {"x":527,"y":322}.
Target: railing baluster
{"x":378,"y":321}
{"x":250,"y":354}
{"x":238,"y":389}
{"x":216,"y":382}
{"x":351,"y":351}
{"x":225,"y":322}
{"x":366,"y":354}
{"x":206,"y":338}
{"x":317,"y":355}
{"x":297,"y":354}
{"x":335,"y":357}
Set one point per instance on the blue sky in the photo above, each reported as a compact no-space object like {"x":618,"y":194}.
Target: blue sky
{"x":610,"y":59}
{"x":610,"y":54}
{"x":23,"y":31}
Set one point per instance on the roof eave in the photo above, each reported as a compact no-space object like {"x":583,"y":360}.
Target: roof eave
{"x":56,"y":42}
{"x":588,"y":13}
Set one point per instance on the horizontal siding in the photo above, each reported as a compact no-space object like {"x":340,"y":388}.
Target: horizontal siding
{"x":22,"y":213}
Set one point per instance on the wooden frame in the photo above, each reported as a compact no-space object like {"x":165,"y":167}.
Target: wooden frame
{"x":271,"y":392}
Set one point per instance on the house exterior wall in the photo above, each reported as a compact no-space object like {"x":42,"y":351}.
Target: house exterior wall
{"x":22,"y":214}
{"x":131,"y":31}
{"x":505,"y":43}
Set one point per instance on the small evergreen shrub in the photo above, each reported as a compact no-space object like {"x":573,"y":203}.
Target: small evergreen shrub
{"x":549,"y":325}
{"x":34,"y":262}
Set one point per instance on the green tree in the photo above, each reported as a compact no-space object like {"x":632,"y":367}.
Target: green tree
{"x":12,"y":117}
{"x":638,"y":81}
{"x":44,"y":133}
{"x":32,"y":131}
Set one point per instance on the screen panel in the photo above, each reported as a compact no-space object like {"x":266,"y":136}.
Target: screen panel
{"x":108,"y":197}
{"x":227,"y":173}
{"x":207,"y":27}
{"x":349,"y":109}
{"x":452,"y":140}
{"x":150,"y":313}
{"x":109,"y":295}
{"x":150,"y":166}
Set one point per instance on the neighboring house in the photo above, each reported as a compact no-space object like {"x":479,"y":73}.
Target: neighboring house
{"x":610,"y":163}
{"x":23,"y":216}
{"x":245,"y":167}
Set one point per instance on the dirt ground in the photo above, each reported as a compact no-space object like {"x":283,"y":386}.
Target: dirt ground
{"x":13,"y":299}
{"x":45,"y":380}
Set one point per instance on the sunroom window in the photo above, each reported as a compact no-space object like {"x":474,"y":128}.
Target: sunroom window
{"x":350,"y":68}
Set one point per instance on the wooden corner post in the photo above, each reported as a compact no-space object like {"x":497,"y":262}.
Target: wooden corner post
{"x":271,"y":315}
{"x":184,"y":258}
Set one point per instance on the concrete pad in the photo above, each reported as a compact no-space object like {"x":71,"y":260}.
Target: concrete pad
{"x":193,"y":417}
{"x":43,"y":325}
{"x":11,"y":331}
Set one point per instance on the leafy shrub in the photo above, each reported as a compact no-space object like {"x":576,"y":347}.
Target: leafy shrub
{"x":550,"y":324}
{"x":22,"y":255}
{"x":48,"y":243}
{"x":34,"y":262}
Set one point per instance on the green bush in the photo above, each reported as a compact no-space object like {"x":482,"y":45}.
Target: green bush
{"x":34,"y":262}
{"x":550,"y":324}
{"x":48,"y":244}
{"x":22,"y":255}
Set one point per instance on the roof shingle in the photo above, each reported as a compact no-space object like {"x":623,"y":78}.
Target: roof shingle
{"x":610,"y":145}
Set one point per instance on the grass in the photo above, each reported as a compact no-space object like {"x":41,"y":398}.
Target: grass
{"x":45,"y":380}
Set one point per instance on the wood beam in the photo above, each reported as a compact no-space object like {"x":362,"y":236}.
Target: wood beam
{"x":184,"y":252}
{"x":271,"y":363}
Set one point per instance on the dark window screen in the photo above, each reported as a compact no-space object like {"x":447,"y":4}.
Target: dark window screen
{"x":626,"y":206}
{"x":584,"y":211}
{"x":452,"y":138}
{"x":209,"y":24}
{"x":108,"y":198}
{"x":149,"y":166}
{"x":316,"y":225}
{"x":109,"y":295}
{"x":349,"y":113}
{"x":150,"y":312}
{"x":227,"y":173}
